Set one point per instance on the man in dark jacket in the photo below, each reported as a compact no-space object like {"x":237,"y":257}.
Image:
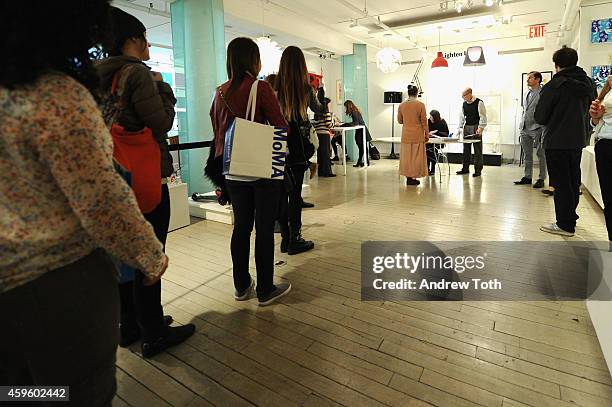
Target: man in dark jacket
{"x":563,"y":109}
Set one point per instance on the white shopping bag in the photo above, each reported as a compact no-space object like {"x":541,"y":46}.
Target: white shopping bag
{"x":253,"y":149}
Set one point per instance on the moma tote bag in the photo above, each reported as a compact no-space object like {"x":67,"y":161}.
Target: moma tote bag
{"x":253,"y":149}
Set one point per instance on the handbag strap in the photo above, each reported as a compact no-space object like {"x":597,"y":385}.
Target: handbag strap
{"x":252,"y":104}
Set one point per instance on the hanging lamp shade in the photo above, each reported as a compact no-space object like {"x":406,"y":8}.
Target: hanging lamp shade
{"x":270,"y":54}
{"x":474,"y":56}
{"x":440,"y":61}
{"x":388,"y":60}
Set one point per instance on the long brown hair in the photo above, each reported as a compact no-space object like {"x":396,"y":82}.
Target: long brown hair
{"x":242,"y":59}
{"x":350,"y":107}
{"x":292,"y":84}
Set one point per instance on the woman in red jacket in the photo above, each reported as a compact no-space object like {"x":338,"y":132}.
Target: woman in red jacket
{"x":254,"y":200}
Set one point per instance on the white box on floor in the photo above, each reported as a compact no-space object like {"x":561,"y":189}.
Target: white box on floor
{"x":179,"y":206}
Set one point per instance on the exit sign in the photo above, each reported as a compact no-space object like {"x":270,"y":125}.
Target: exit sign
{"x":537,"y":31}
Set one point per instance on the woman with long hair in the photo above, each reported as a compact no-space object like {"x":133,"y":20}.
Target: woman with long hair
{"x":357,"y":120}
{"x":64,"y":207}
{"x":437,"y":126}
{"x":146,"y":102}
{"x":254,"y":200}
{"x":295,"y":96}
{"x":412,"y":115}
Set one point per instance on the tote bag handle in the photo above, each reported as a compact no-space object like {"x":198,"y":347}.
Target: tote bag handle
{"x":252,"y":104}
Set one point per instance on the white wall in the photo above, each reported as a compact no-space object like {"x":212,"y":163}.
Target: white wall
{"x":593,"y":54}
{"x":499,"y":82}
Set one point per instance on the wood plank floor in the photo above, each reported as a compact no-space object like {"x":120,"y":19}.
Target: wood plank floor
{"x":322,"y":346}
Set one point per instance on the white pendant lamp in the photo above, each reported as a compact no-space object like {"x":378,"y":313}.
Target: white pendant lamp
{"x":269,"y":51}
{"x":270,"y":54}
{"x":388,"y":60}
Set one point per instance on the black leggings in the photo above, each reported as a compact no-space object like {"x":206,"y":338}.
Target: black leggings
{"x":290,"y":210}
{"x":359,"y":142}
{"x":141,"y":304}
{"x":603,"y":158}
{"x":256,"y":203}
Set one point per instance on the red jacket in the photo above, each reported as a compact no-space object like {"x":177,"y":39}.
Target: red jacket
{"x":267,"y":110}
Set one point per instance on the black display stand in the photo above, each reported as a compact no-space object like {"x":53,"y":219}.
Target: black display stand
{"x":393,"y":98}
{"x":393,"y":156}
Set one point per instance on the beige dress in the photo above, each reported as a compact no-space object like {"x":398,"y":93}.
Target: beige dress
{"x":413,"y":159}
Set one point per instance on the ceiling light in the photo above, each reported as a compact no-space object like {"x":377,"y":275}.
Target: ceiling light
{"x":488,"y":3}
{"x":388,"y":60}
{"x":474,"y":56}
{"x":270,"y":54}
{"x":440,"y":61}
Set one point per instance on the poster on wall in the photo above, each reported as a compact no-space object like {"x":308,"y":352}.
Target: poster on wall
{"x":339,"y":92}
{"x":546,"y":77}
{"x":601,"y":31}
{"x":600,"y":74}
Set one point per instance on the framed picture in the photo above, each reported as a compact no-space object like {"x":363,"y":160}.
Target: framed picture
{"x":339,"y":92}
{"x":600,"y":74}
{"x":546,"y":77}
{"x":601,"y":31}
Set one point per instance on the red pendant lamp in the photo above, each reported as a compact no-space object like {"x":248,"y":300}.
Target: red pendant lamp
{"x":440,"y":61}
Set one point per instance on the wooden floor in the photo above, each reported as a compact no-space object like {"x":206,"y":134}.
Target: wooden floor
{"x":322,"y":346}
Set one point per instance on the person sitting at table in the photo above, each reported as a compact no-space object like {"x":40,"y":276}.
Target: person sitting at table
{"x":439,"y":128}
{"x":415,"y":133}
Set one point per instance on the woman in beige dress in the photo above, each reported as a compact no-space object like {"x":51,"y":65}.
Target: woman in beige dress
{"x":412,"y":116}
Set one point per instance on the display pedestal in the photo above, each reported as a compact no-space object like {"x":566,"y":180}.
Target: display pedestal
{"x":179,"y":207}
{"x":590,"y":180}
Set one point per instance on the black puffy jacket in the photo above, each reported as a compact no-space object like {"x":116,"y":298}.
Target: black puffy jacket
{"x":564,"y":109}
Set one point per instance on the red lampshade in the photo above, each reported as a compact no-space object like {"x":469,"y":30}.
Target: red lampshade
{"x":439,"y":62}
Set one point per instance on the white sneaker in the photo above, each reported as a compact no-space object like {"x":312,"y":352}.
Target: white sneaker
{"x":555,"y":230}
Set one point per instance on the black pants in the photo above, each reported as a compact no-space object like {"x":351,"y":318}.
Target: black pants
{"x":141,"y":304}
{"x":290,"y":209}
{"x":467,"y":151}
{"x":323,"y":160}
{"x":564,"y":173}
{"x":335,"y":141}
{"x":254,"y":202}
{"x":603,"y":157}
{"x":61,"y":329}
{"x":360,"y":146}
{"x":432,"y":152}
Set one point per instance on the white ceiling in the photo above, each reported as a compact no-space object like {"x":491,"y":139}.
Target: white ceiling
{"x":325,"y":24}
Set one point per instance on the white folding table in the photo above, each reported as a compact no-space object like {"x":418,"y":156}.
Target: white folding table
{"x":365,"y":145}
{"x":439,"y":153}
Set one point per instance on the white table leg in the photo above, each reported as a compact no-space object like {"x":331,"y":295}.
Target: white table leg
{"x":344,"y":150}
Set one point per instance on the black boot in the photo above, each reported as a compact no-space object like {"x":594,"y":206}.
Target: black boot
{"x":130,"y":332}
{"x":297,"y":244}
{"x":172,"y":336}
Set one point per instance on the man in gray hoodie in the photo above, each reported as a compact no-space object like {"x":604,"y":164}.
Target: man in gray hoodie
{"x":563,"y":109}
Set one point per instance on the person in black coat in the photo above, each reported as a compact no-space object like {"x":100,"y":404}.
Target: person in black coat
{"x":563,"y":109}
{"x":437,"y":124}
{"x":357,"y":120}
